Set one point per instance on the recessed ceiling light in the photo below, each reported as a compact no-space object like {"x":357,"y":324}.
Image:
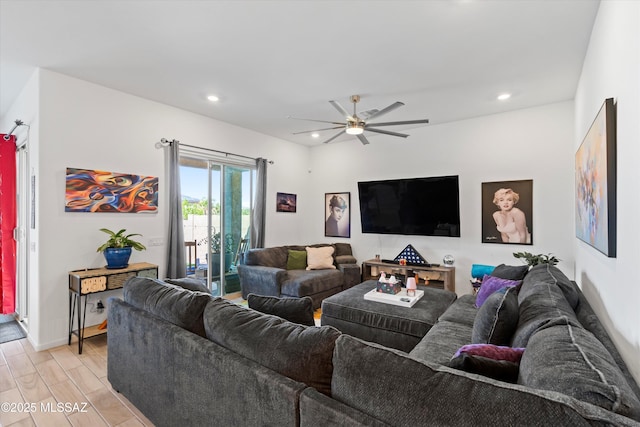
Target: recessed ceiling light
{"x":504,"y":96}
{"x":213,"y":98}
{"x":315,"y":135}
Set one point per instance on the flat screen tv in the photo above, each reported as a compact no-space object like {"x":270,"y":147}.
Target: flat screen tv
{"x":413,"y":206}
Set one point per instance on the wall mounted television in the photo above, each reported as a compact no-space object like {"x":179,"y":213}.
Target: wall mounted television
{"x":427,"y":206}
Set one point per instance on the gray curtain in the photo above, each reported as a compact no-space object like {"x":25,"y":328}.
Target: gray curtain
{"x":176,"y":264}
{"x":258,"y":217}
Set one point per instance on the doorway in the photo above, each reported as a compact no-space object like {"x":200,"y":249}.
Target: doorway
{"x":216,"y":213}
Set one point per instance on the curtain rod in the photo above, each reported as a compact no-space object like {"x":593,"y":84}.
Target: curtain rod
{"x":17,"y":123}
{"x":165,"y":142}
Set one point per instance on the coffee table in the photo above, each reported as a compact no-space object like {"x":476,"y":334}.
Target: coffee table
{"x":389,"y":325}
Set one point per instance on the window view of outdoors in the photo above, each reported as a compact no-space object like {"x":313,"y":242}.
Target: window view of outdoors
{"x":208,"y":230}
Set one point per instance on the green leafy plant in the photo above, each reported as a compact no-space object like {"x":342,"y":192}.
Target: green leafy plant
{"x":120,"y":240}
{"x":531,"y":260}
{"x":216,"y":242}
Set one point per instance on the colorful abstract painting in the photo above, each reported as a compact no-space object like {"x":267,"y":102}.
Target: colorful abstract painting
{"x":101,"y":191}
{"x":596,"y":183}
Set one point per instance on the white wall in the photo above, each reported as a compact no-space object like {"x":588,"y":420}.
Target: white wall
{"x":83,"y":125}
{"x":535,"y":143}
{"x":612,"y":70}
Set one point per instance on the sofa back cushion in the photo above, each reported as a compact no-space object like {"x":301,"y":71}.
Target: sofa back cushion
{"x":497,"y":319}
{"x":268,"y":257}
{"x":539,"y":303}
{"x":277,"y":256}
{"x":296,"y":310}
{"x":400,"y":390}
{"x":302,"y":353}
{"x":552,"y":275}
{"x":511,"y":272}
{"x":189,"y":283}
{"x":172,"y":303}
{"x":568,"y":359}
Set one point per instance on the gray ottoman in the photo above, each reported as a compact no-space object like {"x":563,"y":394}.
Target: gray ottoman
{"x":389,"y":325}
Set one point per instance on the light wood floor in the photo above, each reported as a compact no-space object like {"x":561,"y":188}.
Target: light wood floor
{"x":61,"y":387}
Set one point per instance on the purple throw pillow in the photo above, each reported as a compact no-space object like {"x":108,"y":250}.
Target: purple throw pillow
{"x":490,"y":351}
{"x":490,"y":284}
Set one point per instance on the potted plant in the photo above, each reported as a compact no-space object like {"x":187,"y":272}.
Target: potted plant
{"x":531,"y":259}
{"x":117,"y":249}
{"x":216,"y":242}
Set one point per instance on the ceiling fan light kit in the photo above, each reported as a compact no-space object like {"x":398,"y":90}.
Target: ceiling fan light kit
{"x":357,"y":125}
{"x":355,"y":128}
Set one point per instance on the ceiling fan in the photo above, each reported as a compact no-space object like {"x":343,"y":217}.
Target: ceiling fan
{"x":356,"y":125}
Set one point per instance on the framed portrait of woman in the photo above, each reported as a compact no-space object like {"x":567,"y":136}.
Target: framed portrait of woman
{"x":337,"y":215}
{"x":507,"y":212}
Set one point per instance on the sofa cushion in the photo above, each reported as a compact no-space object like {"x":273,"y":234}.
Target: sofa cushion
{"x":463,"y":311}
{"x":393,"y":388}
{"x":502,"y":370}
{"x":342,"y":249}
{"x":299,"y":352}
{"x":568,"y":359}
{"x":441,"y":342}
{"x":320,"y":258}
{"x":511,"y":272}
{"x":497,"y":319}
{"x":550,"y":274}
{"x":296,"y":260}
{"x":190,"y":284}
{"x":300,"y":283}
{"x":267,"y":257}
{"x":490,"y":284}
{"x":172,"y":303}
{"x":296,"y":310}
{"x":539,"y":303}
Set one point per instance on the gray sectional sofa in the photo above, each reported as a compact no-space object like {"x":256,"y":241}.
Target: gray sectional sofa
{"x":264,"y":272}
{"x":186,"y":358}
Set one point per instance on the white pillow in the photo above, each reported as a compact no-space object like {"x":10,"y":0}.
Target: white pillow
{"x":320,"y":258}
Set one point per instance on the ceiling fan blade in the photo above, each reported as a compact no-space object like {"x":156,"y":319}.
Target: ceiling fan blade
{"x":317,"y":130}
{"x":402,"y":122}
{"x":362,"y":139}
{"x":386,"y":132}
{"x":341,"y":109}
{"x":334,"y":137}
{"x":387,"y":109}
{"x":364,"y":115}
{"x":314,"y":120}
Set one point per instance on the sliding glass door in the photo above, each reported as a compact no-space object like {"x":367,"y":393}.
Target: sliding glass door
{"x":216,"y":209}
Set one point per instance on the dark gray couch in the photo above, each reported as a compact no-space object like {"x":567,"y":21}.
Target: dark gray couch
{"x":186,"y":358}
{"x":264,"y":272}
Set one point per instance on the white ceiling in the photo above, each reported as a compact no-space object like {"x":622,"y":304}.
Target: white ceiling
{"x":445,"y":59}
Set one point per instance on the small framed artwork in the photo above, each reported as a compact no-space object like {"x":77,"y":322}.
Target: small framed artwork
{"x":507,"y":212}
{"x":596,"y":183}
{"x":337,"y":214}
{"x":285,"y":202}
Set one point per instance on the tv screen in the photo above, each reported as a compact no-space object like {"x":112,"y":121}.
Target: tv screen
{"x":414,"y":206}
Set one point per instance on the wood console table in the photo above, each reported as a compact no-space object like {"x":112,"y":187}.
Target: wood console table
{"x":438,"y":277}
{"x":95,"y":280}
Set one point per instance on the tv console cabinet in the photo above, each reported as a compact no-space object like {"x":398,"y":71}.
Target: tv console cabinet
{"x":437,"y":277}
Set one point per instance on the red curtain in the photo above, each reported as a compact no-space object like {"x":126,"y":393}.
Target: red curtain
{"x":7,"y":224}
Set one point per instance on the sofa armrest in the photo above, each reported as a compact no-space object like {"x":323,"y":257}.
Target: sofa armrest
{"x":261,"y":280}
{"x":351,"y":273}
